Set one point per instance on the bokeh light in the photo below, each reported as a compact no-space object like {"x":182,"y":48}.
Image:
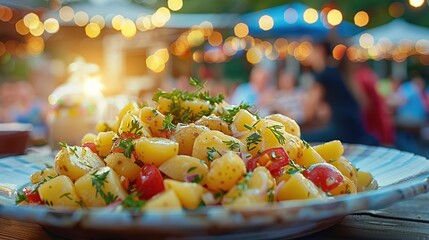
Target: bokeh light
{"x":35,"y":45}
{"x":66,"y":13}
{"x":339,"y":51}
{"x":175,"y":5}
{"x":310,"y":15}
{"x":361,"y":18}
{"x":21,"y":28}
{"x":92,"y":30}
{"x":422,"y":46}
{"x":366,"y":40}
{"x":266,"y":22}
{"x":254,"y":55}
{"x":396,"y":9}
{"x":6,"y":13}
{"x":291,"y":15}
{"x":334,"y":17}
{"x":215,"y":39}
{"x":241,"y":30}
{"x":117,"y":22}
{"x":161,"y":17}
{"x":51,"y":25}
{"x":128,"y":28}
{"x":416,"y":3}
{"x":81,"y":18}
{"x":31,"y":20}
{"x":38,"y":30}
{"x":99,"y":20}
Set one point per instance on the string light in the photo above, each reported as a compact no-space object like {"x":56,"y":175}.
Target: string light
{"x":241,"y":30}
{"x":361,"y":18}
{"x":416,"y":3}
{"x":310,"y":15}
{"x":334,"y":17}
{"x":266,"y":22}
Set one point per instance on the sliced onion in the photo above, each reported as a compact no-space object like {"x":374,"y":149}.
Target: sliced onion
{"x":278,"y":188}
{"x":191,"y":177}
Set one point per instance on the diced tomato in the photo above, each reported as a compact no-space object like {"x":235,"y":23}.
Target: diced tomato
{"x":91,"y":146}
{"x":273,"y":159}
{"x":324,"y":175}
{"x":149,"y":182}
{"x":125,"y":182}
{"x":165,"y":133}
{"x":32,"y":196}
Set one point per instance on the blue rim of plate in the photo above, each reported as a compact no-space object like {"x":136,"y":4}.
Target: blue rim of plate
{"x":400,"y":176}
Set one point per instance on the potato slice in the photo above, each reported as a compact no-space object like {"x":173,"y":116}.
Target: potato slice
{"x":59,"y":192}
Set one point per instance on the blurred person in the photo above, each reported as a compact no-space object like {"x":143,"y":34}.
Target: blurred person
{"x":376,"y":114}
{"x":256,"y":92}
{"x":288,"y":99}
{"x":345,"y":120}
{"x":411,"y":113}
{"x":27,"y":109}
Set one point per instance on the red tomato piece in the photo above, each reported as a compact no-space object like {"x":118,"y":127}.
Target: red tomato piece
{"x":273,"y":159}
{"x":91,"y":146}
{"x":324,"y":175}
{"x":32,"y":196}
{"x":149,"y":182}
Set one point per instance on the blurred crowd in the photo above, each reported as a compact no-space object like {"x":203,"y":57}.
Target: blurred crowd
{"x":328,"y":99}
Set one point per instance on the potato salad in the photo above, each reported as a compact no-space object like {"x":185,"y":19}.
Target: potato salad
{"x":188,"y":150}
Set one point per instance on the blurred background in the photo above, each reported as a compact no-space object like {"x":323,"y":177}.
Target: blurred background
{"x":352,"y":70}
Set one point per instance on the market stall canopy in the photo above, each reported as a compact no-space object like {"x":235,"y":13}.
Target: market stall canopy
{"x":289,"y":22}
{"x":396,"y":31}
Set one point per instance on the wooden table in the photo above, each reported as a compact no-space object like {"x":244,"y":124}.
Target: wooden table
{"x":404,"y":220}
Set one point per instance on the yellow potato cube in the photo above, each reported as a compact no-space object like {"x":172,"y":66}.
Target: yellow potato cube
{"x":225,"y":172}
{"x":346,"y":168}
{"x":155,"y":150}
{"x":167,"y":200}
{"x":189,"y":194}
{"x":241,"y":119}
{"x":298,"y":187}
{"x":309,"y":157}
{"x":364,"y":180}
{"x":185,"y":168}
{"x":185,"y":136}
{"x":331,"y":150}
{"x":104,"y":142}
{"x":290,"y":125}
{"x":100,"y":187}
{"x":59,"y":192}
{"x":123,"y":166}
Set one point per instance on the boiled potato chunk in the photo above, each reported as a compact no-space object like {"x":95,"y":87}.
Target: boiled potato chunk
{"x":104,"y":142}
{"x":225,"y":172}
{"x":155,"y":150}
{"x":309,"y":157}
{"x":123,"y":166}
{"x":210,"y":145}
{"x":364,"y":180}
{"x":189,"y":194}
{"x":100,"y":187}
{"x":236,"y":198}
{"x":45,"y":174}
{"x":241,"y":119}
{"x":76,"y":161}
{"x":214,"y":123}
{"x":298,"y":187}
{"x":347,"y":187}
{"x":167,"y":200}
{"x":131,"y":123}
{"x":185,"y":136}
{"x":331,"y":150}
{"x":89,"y":137}
{"x":196,"y":107}
{"x":290,"y":125}
{"x":164,"y":105}
{"x":346,"y":168}
{"x":186,"y":169}
{"x":154,"y":119}
{"x":59,"y":192}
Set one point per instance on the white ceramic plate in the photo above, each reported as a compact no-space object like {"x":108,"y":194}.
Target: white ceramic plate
{"x":400,"y":175}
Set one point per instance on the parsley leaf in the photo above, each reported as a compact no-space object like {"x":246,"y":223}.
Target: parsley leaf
{"x":98,"y":181}
{"x":167,"y":123}
{"x":232,"y":145}
{"x":279,"y":135}
{"x":253,"y":139}
{"x":211,"y":153}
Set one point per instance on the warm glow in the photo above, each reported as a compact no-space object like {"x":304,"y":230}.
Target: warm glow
{"x":339,"y":51}
{"x":99,"y":20}
{"x":241,"y":30}
{"x":303,"y":51}
{"x":396,"y":9}
{"x":155,"y":63}
{"x":31,"y":20}
{"x":422,"y":46}
{"x":143,"y":23}
{"x":207,"y":27}
{"x":161,"y":17}
{"x":66,"y":13}
{"x":81,"y":18}
{"x":334,"y":17}
{"x":215,"y":39}
{"x":416,"y":3}
{"x":361,"y":18}
{"x":310,"y":15}
{"x":21,"y":28}
{"x":163,"y":54}
{"x":35,"y":45}
{"x":197,"y":56}
{"x":37,"y":31}
{"x":51,"y":25}
{"x":128,"y":28}
{"x":266,"y":22}
{"x":195,"y":38}
{"x":6,"y":13}
{"x":117,"y":22}
{"x":366,"y":40}
{"x":254,"y":55}
{"x":92,"y":30}
{"x":175,"y":5}
{"x":291,"y":16}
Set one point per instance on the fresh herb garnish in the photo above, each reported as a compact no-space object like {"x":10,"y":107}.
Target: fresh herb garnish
{"x":21,"y":197}
{"x":197,"y":179}
{"x":294,"y":168}
{"x":306,"y":145}
{"x":232,"y":145}
{"x":67,"y":195}
{"x":191,"y":169}
{"x":167,"y":123}
{"x":133,"y":201}
{"x":71,"y":149}
{"x":98,"y":181}
{"x":211,"y":152}
{"x":127,"y":147}
{"x":279,"y":135}
{"x":229,"y":114}
{"x":135,"y":126}
{"x":253,"y":139}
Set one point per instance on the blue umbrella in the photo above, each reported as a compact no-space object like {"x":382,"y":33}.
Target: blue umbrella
{"x":289,"y":22}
